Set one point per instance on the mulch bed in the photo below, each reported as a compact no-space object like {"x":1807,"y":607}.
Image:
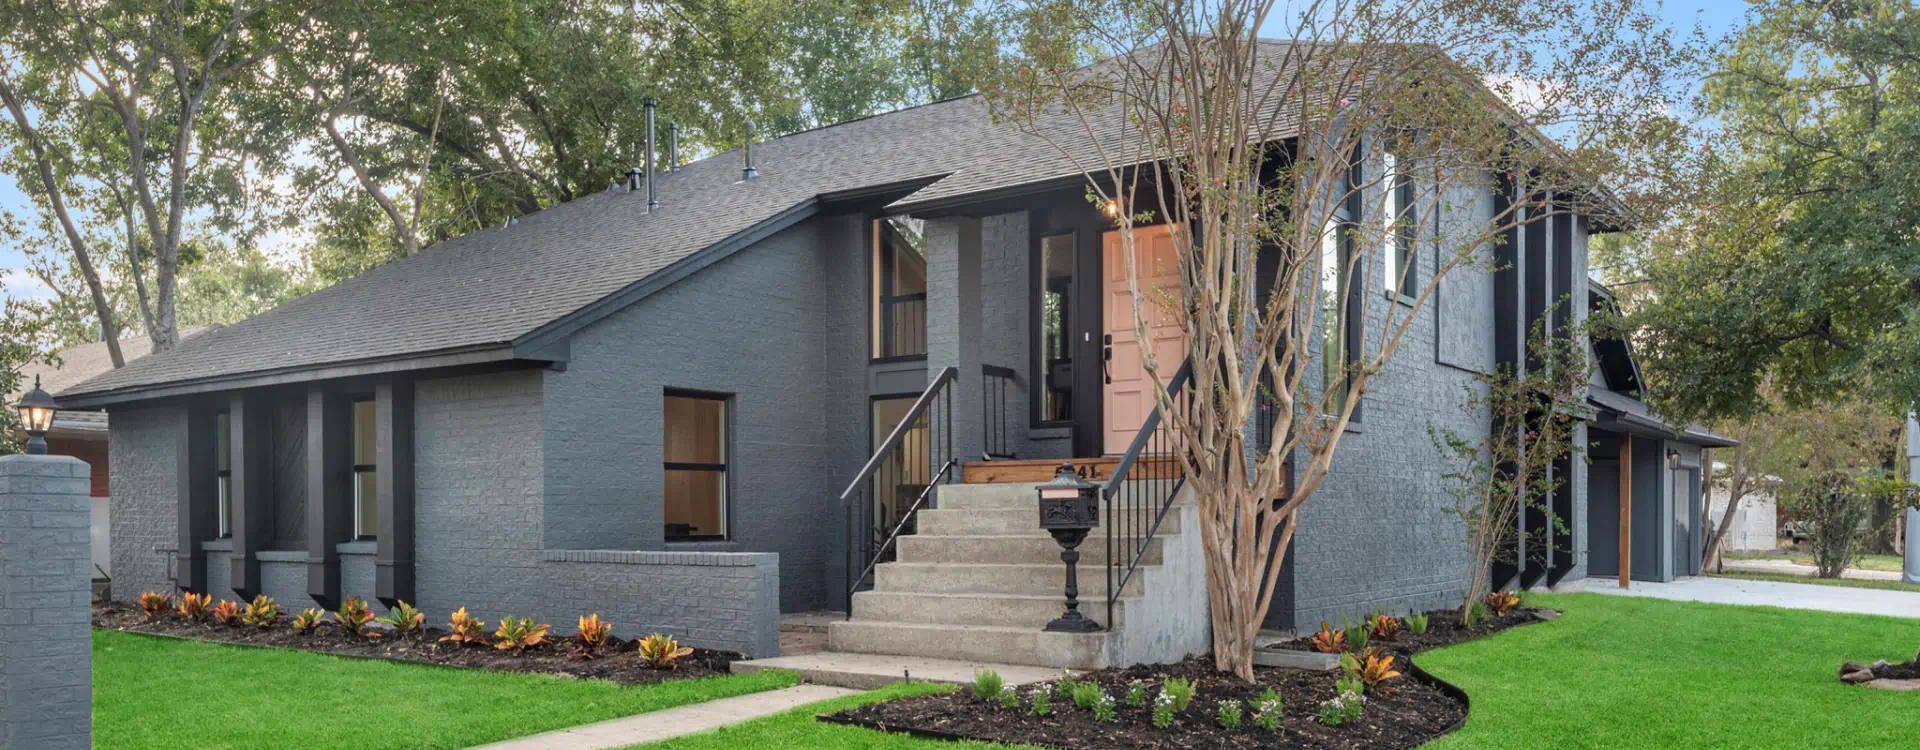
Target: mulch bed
{"x":1400,"y":713}
{"x":615,"y":662}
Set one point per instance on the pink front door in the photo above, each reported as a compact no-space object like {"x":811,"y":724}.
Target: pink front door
{"x":1128,"y":395}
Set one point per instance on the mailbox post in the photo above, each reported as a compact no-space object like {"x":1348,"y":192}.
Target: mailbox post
{"x":1069,"y":509}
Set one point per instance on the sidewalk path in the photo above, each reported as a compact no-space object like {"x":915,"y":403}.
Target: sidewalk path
{"x":673,"y":722}
{"x":1791,"y":568}
{"x":1771,"y":594}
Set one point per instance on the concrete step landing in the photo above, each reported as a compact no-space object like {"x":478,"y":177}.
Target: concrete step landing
{"x":871,"y":671}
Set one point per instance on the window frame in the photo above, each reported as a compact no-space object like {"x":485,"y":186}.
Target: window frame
{"x":1038,"y":376}
{"x":725,"y":467}
{"x":881,"y":300}
{"x":223,"y":477}
{"x":1353,"y":313}
{"x":358,"y":469}
{"x":1400,"y":235}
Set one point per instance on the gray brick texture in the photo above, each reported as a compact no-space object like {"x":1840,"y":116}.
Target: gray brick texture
{"x":46,"y":688}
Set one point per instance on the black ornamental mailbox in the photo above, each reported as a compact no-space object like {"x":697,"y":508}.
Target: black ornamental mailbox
{"x":1069,"y":509}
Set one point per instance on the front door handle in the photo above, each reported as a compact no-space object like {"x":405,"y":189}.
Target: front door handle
{"x":1106,"y":357}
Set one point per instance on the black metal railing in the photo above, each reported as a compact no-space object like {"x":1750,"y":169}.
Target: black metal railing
{"x":996,"y":390}
{"x":1141,"y":491}
{"x":903,"y":326}
{"x":899,"y":480}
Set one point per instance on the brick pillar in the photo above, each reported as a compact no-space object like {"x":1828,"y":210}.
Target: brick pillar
{"x":954,"y":324}
{"x":46,"y":692}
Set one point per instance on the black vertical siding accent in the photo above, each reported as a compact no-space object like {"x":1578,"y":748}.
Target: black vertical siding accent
{"x":249,"y":422}
{"x":393,"y":553}
{"x":199,"y":506}
{"x":329,"y":490}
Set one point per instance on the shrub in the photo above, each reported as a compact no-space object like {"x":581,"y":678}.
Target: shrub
{"x":1343,"y":708}
{"x":1502,"y":602}
{"x":987,"y":684}
{"x":519,"y":635}
{"x":1103,"y":708}
{"x":226,"y":613}
{"x":1329,"y":641}
{"x":153,"y":603}
{"x":1374,"y":669}
{"x":406,"y":620}
{"x":308,"y":621}
{"x":1384,"y":626}
{"x":1350,"y":684}
{"x":591,"y":635}
{"x":1357,"y":635}
{"x":1009,"y":699}
{"x":262,"y":613}
{"x":1041,"y":700}
{"x":353,"y":615}
{"x":661,"y":651}
{"x":1137,"y":694}
{"x":1063,"y":687}
{"x":465,"y":629}
{"x":1086,"y":694}
{"x":193,"y":607}
{"x":1229,"y":716}
{"x":1270,"y":711}
{"x":1477,"y":615}
{"x":1182,"y":690}
{"x":1163,"y":710}
{"x":1417,"y":623}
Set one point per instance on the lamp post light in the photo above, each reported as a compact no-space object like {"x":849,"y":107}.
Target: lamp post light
{"x":36,"y":416}
{"x":1069,"y":509}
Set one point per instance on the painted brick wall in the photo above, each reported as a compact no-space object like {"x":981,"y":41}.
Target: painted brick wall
{"x":144,"y":465}
{"x":477,"y":492}
{"x":45,"y":658}
{"x":782,"y":327}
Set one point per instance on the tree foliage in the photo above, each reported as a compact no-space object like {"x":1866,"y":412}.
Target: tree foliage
{"x":1796,"y":272}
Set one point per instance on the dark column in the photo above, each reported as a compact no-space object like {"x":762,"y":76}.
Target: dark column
{"x":1510,"y":319}
{"x":197,"y":493}
{"x":393,"y":553}
{"x":329,"y":491}
{"x":249,"y":421}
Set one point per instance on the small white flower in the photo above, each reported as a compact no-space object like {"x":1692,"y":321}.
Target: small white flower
{"x":1165,"y":699}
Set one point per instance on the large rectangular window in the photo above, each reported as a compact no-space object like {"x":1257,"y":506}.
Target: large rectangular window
{"x":899,"y":288}
{"x":1400,"y":223}
{"x":366,"y":488}
{"x":1054,"y":328}
{"x":1334,"y":261}
{"x":223,"y":470}
{"x":695,"y":451}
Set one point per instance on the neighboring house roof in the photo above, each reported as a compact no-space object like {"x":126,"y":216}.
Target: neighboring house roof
{"x":78,"y":364}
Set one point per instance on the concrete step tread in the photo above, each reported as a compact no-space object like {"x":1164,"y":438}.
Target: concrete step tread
{"x":1060,"y":597}
{"x":1013,"y":631}
{"x":872,"y":671}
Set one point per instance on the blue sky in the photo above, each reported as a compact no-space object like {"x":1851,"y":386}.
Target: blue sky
{"x":1717,"y":17}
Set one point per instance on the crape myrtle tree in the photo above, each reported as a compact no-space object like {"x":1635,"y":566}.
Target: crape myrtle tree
{"x":1274,"y":152}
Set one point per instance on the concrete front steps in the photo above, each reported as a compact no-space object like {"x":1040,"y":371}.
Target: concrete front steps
{"x":980,"y":580}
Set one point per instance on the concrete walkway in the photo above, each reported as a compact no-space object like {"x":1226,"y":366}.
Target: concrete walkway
{"x":673,"y":722}
{"x":1791,"y":568}
{"x":1771,"y":594}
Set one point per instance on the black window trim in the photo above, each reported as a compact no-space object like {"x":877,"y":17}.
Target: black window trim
{"x":223,"y":478}
{"x":725,"y":467}
{"x":1406,"y":235}
{"x":1040,"y":233}
{"x":354,"y":401}
{"x":880,"y":304}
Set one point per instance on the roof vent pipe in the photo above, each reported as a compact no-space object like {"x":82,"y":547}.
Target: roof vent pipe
{"x":633,"y":179}
{"x":673,"y":147}
{"x":748,"y":172}
{"x":653,"y":201}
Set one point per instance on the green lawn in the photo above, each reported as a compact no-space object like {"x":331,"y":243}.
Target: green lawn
{"x":1619,"y":672}
{"x":1615,"y":672}
{"x":1851,"y":583}
{"x":1864,"y":562}
{"x":161,"y":693}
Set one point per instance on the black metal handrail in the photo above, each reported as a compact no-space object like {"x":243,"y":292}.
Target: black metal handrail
{"x":996,"y":387}
{"x":1138,"y":495}
{"x":907,"y":468}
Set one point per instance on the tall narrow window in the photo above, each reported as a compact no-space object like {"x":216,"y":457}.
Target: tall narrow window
{"x":1055,"y":328}
{"x":1333,"y":315}
{"x":223,"y":471}
{"x":1398,"y":234}
{"x":366,"y":490}
{"x":695,"y":450}
{"x":899,"y":288}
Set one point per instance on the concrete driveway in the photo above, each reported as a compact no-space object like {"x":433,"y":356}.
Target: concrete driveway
{"x":1791,"y":568}
{"x":1771,"y":594}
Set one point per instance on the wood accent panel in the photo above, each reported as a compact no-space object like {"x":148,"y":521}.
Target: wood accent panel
{"x":1042,"y":470}
{"x":94,"y":452}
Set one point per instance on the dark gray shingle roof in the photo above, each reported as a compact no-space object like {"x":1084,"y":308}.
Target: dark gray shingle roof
{"x":495,"y":286}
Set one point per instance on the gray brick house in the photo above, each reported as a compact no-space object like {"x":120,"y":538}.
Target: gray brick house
{"x":655,"y":412}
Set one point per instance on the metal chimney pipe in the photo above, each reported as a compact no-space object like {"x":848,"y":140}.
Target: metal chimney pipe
{"x":633,"y":179}
{"x":749,"y":172}
{"x":673,"y":147}
{"x":653,"y":201}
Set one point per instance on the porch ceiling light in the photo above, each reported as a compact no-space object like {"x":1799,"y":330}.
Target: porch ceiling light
{"x":36,"y":416}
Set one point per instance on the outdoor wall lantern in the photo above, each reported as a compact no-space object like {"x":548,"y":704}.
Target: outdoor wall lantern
{"x":1673,"y":459}
{"x":1069,"y":508}
{"x":36,"y":416}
